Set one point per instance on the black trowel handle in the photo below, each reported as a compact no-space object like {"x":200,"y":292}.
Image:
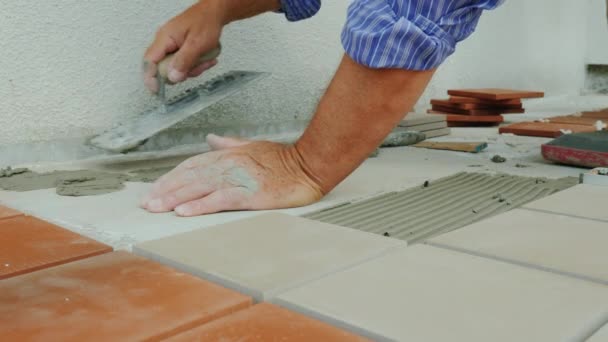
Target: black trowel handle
{"x":163,"y":66}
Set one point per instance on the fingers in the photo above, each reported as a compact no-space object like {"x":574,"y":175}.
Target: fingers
{"x":163,"y":44}
{"x":217,"y":142}
{"x":188,"y":54}
{"x":169,"y":201}
{"x":197,"y":71}
{"x":198,"y":169}
{"x":221,"y":200}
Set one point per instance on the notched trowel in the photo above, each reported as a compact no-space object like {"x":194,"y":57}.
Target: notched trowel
{"x":127,"y":136}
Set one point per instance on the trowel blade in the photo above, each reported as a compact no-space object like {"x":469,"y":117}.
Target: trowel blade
{"x":127,"y":136}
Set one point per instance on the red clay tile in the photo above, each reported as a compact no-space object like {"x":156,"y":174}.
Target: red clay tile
{"x":8,"y":213}
{"x":28,"y":244}
{"x":459,"y":99}
{"x":476,"y":112}
{"x":598,"y":114}
{"x":266,"y":322}
{"x":543,"y":129}
{"x":470,"y":118}
{"x":467,"y":105}
{"x":575,"y":120}
{"x":113,"y":297}
{"x":495,"y":93}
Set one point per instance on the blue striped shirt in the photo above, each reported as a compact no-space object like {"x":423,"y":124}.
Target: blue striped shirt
{"x":406,"y":34}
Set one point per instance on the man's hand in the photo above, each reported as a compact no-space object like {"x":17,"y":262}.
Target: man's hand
{"x":195,"y":32}
{"x":237,"y":175}
{"x":192,"y":33}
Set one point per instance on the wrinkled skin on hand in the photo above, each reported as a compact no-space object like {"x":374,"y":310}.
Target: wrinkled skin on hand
{"x":236,"y":175}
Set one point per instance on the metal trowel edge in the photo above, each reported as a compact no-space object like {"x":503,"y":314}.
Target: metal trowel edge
{"x":128,"y":136}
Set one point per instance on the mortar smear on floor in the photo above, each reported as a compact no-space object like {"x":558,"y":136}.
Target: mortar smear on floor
{"x":437,"y":207}
{"x":75,"y":183}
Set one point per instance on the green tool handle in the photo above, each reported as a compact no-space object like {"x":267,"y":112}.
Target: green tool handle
{"x":163,"y":66}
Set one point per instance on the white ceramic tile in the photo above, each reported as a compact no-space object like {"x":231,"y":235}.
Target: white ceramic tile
{"x":583,"y":200}
{"x":600,"y":335}
{"x":268,"y":253}
{"x":563,"y":244}
{"x":423,"y":293}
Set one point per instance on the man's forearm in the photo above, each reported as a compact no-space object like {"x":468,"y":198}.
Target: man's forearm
{"x":361,"y":106}
{"x":241,"y":9}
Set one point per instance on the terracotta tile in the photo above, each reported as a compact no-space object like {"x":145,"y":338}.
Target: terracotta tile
{"x":266,"y":322}
{"x":492,"y":119}
{"x":575,"y":120}
{"x":467,"y":105}
{"x":116,"y":296}
{"x":495,"y":93}
{"x":8,"y":213}
{"x":598,"y":114}
{"x":477,"y":112}
{"x":29,"y":244}
{"x":458,"y":99}
{"x":543,"y":129}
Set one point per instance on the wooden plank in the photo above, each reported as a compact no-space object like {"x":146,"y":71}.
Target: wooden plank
{"x":472,"y":147}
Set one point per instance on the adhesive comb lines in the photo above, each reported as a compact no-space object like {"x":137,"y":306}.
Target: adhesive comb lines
{"x":449,"y":203}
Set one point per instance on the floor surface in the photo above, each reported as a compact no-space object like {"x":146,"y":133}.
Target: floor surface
{"x":537,"y":273}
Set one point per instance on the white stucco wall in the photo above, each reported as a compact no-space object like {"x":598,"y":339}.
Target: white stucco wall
{"x":71,"y":68}
{"x":597,"y":32}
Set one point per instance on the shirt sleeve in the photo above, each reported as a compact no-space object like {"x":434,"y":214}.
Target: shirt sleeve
{"x":295,"y":10}
{"x":409,"y":34}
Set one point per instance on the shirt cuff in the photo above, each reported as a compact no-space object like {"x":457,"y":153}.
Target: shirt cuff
{"x":387,"y":40}
{"x":296,"y":10}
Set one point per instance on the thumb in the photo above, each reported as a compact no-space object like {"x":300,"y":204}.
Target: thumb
{"x":217,"y":142}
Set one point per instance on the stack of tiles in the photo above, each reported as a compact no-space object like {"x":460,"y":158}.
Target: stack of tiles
{"x":480,"y":107}
{"x":555,"y":127}
{"x":431,"y":125}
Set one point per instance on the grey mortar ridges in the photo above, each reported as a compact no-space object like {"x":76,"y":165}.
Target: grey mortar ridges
{"x":420,"y":213}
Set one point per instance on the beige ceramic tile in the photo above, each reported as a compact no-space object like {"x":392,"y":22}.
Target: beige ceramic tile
{"x":583,"y":200}
{"x":555,"y":242}
{"x":600,"y":336}
{"x":267,"y":254}
{"x":424,"y":293}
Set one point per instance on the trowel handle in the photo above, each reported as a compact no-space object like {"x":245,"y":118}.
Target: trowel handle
{"x":163,"y":66}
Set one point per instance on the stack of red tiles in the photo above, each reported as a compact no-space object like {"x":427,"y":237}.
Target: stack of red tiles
{"x":480,"y":107}
{"x":557,"y":126}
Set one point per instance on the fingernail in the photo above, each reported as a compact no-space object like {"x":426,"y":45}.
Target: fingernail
{"x":155,"y":204}
{"x":181,"y":210}
{"x":176,"y":76}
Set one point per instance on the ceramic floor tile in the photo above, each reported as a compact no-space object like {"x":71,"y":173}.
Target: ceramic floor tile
{"x":495,"y":93}
{"x":266,"y":322}
{"x":116,"y":296}
{"x":266,"y":254}
{"x":555,"y":242}
{"x":423,"y":293}
{"x":6,"y":212}
{"x":600,"y":335}
{"x":583,"y":200}
{"x":28,"y":244}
